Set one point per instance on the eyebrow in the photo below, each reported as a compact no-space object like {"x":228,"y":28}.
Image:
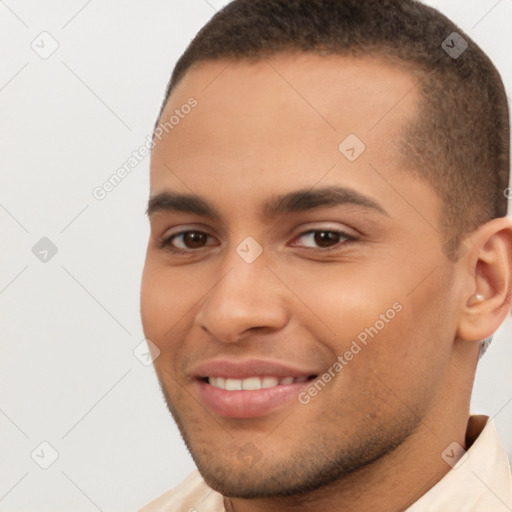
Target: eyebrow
{"x":291,"y":202}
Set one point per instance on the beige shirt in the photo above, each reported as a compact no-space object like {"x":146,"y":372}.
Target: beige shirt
{"x":479,"y":482}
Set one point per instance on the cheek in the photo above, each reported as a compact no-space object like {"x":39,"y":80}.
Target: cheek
{"x":162,"y":306}
{"x":399,"y":332}
{"x":346,"y":297}
{"x":409,"y":355}
{"x":152,"y":301}
{"x":162,"y":302}
{"x":170,"y":297}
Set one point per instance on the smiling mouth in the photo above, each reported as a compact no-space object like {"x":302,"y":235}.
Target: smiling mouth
{"x":254,"y":383}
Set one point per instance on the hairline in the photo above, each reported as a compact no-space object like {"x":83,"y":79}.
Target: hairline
{"x":370,"y":53}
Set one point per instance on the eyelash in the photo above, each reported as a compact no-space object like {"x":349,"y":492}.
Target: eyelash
{"x":166,"y":243}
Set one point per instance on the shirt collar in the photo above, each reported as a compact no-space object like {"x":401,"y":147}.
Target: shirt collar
{"x":479,"y":481}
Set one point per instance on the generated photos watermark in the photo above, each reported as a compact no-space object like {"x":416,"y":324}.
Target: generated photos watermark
{"x":100,"y":192}
{"x":355,"y":348}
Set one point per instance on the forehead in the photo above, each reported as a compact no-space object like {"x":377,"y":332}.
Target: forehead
{"x":302,"y":101}
{"x":260,"y":126}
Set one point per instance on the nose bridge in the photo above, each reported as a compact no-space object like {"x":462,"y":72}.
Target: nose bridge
{"x":245,"y":297}
{"x":244,"y":267}
{"x":243,"y":280}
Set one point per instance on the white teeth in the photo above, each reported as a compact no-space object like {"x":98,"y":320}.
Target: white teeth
{"x":233,"y":385}
{"x":269,"y":382}
{"x":218,"y":382}
{"x":252,"y":383}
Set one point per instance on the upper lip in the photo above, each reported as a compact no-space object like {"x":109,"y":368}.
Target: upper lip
{"x":244,"y":368}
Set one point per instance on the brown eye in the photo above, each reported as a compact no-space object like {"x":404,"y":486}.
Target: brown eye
{"x":187,"y":240}
{"x":194,"y":239}
{"x":322,"y":238}
{"x":326,"y":238}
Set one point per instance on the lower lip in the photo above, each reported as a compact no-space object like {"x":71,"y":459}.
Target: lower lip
{"x":248,"y":404}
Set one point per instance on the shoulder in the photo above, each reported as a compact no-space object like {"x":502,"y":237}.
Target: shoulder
{"x":192,"y":495}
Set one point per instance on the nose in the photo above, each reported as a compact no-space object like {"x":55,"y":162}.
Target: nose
{"x":247,"y":298}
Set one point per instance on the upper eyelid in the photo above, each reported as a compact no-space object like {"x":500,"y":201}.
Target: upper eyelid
{"x":308,"y":227}
{"x":324,"y":227}
{"x":303,"y":231}
{"x":325,"y":230}
{"x":181,"y":229}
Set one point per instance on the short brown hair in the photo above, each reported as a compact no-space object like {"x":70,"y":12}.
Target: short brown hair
{"x":459,"y":142}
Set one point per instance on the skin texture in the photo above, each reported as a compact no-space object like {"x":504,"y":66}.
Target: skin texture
{"x":267,"y":128}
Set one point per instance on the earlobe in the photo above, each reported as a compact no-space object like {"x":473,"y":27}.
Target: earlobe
{"x":490,"y":270}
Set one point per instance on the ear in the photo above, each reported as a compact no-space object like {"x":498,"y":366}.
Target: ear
{"x":489,"y":264}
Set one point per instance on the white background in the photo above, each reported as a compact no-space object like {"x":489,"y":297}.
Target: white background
{"x":67,"y":372}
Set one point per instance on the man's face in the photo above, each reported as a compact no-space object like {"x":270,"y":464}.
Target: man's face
{"x":351,"y":272}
